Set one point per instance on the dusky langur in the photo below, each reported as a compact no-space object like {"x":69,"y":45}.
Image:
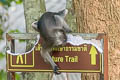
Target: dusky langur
{"x":52,"y":28}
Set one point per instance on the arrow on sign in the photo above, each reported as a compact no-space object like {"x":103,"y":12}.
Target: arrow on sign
{"x":93,"y":53}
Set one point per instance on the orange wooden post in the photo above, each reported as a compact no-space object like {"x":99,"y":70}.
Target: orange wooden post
{"x":10,"y":75}
{"x":13,"y":75}
{"x":105,"y":58}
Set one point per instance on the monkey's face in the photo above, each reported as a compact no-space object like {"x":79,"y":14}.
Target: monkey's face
{"x":60,"y":38}
{"x":52,"y":27}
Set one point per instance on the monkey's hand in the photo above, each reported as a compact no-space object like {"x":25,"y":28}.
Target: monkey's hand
{"x":56,"y":70}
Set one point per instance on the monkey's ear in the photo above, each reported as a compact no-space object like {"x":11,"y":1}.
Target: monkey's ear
{"x":63,"y":13}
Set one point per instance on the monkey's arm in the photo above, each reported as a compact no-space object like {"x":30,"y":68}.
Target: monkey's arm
{"x":45,"y":53}
{"x":66,"y":27}
{"x":61,"y":22}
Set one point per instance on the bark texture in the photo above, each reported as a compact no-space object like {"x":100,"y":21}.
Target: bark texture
{"x":71,"y":18}
{"x":101,"y":16}
{"x":33,"y":9}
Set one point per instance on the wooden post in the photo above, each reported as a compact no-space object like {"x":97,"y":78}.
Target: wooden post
{"x":12,"y":50}
{"x":105,"y":58}
{"x":33,"y":10}
{"x":13,"y":75}
{"x":9,"y":76}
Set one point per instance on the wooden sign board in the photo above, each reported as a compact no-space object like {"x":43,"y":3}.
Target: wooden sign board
{"x":70,"y":58}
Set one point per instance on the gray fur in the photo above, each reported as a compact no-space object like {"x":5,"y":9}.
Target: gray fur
{"x":52,"y":28}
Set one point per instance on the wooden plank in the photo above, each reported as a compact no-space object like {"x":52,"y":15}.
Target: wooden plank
{"x":80,"y":54}
{"x":21,"y":36}
{"x":34,"y":35}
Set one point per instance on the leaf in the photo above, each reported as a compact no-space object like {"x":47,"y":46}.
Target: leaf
{"x":17,"y":76}
{"x":18,"y":1}
{"x":3,"y":75}
{"x":1,"y":33}
{"x":8,"y":2}
{"x":14,"y":31}
{"x":22,"y":40}
{"x":2,"y":55}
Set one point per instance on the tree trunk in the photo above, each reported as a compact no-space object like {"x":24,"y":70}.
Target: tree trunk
{"x":33,"y":9}
{"x":101,"y":16}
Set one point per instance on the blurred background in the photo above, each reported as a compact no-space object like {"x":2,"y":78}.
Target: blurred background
{"x":11,"y":21}
{"x":91,"y":16}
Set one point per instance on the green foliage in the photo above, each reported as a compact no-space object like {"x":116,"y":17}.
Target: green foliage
{"x":2,"y":55}
{"x":1,"y":33}
{"x":3,"y":75}
{"x":17,"y":76}
{"x":14,"y":31}
{"x":8,"y":2}
{"x":22,"y":40}
{"x":18,"y":1}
